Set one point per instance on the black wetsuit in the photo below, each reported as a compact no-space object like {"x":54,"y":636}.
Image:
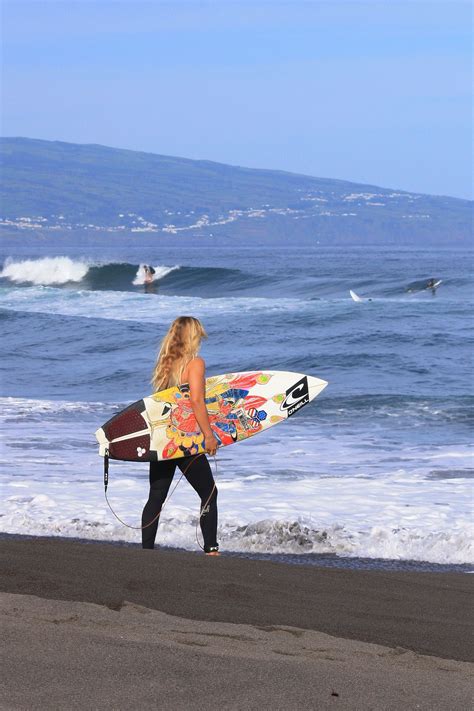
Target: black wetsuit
{"x":199,"y":475}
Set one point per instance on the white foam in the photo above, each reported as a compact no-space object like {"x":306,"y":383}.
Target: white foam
{"x":19,"y":407}
{"x":46,"y":271}
{"x":123,"y":306}
{"x":330,"y":496}
{"x":376,"y":519}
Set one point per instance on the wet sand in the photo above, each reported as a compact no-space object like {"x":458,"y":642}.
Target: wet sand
{"x":100,"y":626}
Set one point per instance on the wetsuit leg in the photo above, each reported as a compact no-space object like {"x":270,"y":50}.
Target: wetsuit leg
{"x":161,"y":476}
{"x":199,"y":475}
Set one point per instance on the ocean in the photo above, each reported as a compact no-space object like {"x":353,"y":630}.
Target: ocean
{"x":378,"y":469}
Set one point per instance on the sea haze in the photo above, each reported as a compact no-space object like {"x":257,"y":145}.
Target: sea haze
{"x":378,"y":467}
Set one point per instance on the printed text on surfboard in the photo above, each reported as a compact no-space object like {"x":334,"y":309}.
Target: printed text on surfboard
{"x":296,"y":397}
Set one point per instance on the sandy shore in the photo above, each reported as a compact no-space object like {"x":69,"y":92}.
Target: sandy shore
{"x":111,"y":627}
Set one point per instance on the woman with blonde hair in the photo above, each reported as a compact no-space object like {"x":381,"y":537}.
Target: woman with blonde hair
{"x":178,"y":364}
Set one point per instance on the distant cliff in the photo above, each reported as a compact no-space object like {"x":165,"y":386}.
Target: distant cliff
{"x":64,"y":187}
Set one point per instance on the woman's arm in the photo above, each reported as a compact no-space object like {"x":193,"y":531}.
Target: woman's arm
{"x":197,"y":389}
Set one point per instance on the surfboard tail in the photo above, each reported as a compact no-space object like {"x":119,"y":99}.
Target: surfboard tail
{"x":103,"y":442}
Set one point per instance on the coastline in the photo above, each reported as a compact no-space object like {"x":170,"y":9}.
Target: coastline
{"x":318,"y":560}
{"x":181,"y":625}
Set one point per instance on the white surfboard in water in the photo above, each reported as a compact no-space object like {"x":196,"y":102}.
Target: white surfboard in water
{"x":354,"y":296}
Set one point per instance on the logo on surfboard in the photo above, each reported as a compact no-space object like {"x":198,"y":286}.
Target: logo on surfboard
{"x":296,"y":397}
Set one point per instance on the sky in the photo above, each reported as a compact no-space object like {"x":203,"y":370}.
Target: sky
{"x":377,"y":92}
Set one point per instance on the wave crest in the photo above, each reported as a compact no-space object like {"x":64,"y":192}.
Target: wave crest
{"x":64,"y":271}
{"x":48,"y":271}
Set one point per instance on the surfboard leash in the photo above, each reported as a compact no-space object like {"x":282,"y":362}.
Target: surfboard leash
{"x":140,"y":528}
{"x":203,"y":511}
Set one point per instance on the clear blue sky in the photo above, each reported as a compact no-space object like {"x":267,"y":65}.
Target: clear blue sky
{"x":375,"y":92}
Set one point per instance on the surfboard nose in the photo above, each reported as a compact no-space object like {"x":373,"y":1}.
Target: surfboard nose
{"x":316,"y":385}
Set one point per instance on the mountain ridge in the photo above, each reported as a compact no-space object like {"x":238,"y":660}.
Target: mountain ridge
{"x":62,"y":187}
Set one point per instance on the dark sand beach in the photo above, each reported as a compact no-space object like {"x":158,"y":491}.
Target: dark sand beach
{"x":91,"y":626}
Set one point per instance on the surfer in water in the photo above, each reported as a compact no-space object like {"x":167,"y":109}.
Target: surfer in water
{"x":433,"y":285}
{"x":149,"y":273}
{"x":178,"y":363}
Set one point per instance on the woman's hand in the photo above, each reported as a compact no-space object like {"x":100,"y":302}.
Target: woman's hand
{"x":210,"y":444}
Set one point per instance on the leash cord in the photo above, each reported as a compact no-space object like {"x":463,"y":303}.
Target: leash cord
{"x":150,"y":523}
{"x":203,"y":508}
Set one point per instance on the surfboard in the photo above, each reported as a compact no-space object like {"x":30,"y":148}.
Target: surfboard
{"x":354,"y":296}
{"x":418,"y":287}
{"x":240,"y":405}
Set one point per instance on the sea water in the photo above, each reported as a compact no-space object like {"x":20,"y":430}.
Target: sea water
{"x":378,"y":467}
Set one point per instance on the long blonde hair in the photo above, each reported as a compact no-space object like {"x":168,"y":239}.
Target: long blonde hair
{"x":179,"y":346}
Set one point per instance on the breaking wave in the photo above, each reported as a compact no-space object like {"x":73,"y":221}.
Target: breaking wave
{"x":207,"y":281}
{"x":40,"y":515}
{"x":63,"y":271}
{"x":123,"y":276}
{"x":44,"y":272}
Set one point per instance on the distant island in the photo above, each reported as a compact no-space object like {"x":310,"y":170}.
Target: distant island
{"x":52,"y":186}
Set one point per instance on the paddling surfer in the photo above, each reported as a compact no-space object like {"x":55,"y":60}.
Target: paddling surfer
{"x":178,"y":364}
